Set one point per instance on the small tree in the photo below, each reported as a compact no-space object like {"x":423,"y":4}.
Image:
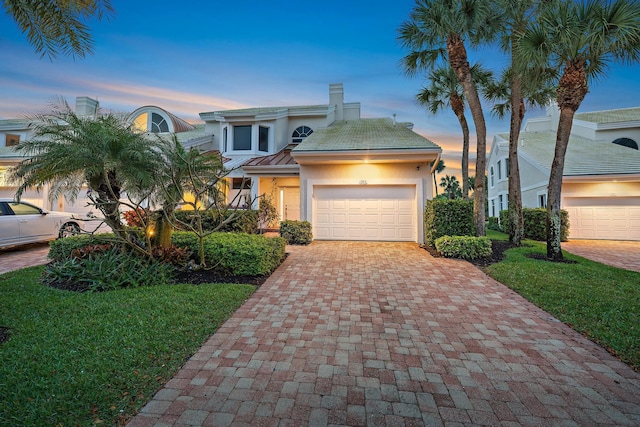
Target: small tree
{"x":202,"y":176}
{"x":68,"y":152}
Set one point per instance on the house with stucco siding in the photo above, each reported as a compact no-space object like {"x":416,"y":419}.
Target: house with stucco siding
{"x":601,"y":180}
{"x":353,"y":178}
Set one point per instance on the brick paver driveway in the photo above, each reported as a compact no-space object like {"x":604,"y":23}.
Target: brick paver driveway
{"x":383,"y":334}
{"x":621,"y":254}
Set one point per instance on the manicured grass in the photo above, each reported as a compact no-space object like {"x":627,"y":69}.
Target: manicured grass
{"x":600,"y":301}
{"x":80,"y":359}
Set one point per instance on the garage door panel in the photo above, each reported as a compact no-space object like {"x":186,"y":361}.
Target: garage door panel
{"x":604,"y":217}
{"x":368,"y":213}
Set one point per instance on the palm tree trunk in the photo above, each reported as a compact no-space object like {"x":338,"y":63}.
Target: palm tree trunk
{"x":516,"y":220}
{"x":459,"y":62}
{"x":554,"y":249}
{"x":458,"y":108}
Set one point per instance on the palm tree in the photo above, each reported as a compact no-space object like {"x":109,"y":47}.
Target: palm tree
{"x":58,"y":27}
{"x":445,"y":90}
{"x":451,"y":187}
{"x":438,"y":169}
{"x":581,"y":39}
{"x":69,"y":151}
{"x":436,"y":30}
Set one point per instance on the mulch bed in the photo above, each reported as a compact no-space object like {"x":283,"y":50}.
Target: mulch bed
{"x":498,"y":247}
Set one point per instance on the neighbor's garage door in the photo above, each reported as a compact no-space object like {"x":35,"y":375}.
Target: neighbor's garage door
{"x":603,"y":217}
{"x":365,"y":213}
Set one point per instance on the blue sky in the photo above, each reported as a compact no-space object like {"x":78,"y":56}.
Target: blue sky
{"x":193,"y":57}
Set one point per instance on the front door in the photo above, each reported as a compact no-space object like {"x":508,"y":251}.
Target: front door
{"x":291,"y":204}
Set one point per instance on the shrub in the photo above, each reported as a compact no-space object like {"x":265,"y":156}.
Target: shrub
{"x":466,"y":247}
{"x":535,"y":223}
{"x":63,"y":248}
{"x":237,"y":254}
{"x":492,"y":223}
{"x":108,"y":270}
{"x":136,"y":218}
{"x":447,"y":218}
{"x":246,"y":221}
{"x":296,"y":232}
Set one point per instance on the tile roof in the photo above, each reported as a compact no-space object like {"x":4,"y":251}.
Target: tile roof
{"x":610,"y":116}
{"x":364,"y":134}
{"x":583,"y":157}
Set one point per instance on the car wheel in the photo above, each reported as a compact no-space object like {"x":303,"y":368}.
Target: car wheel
{"x":69,"y":229}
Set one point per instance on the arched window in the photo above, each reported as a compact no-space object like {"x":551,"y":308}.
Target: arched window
{"x":626,"y":142}
{"x":158,"y":123}
{"x":301,"y":133}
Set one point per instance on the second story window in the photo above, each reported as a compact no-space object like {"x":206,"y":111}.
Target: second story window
{"x":158,"y":123}
{"x":491,"y":177}
{"x":263,"y":138}
{"x":301,"y":133}
{"x":499,"y":169}
{"x":242,"y":138}
{"x":11,"y":140}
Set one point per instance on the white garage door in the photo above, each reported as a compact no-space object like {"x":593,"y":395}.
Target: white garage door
{"x":365,"y":213}
{"x":603,"y":218}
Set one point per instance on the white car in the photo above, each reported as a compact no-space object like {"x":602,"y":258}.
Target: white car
{"x":22,"y":223}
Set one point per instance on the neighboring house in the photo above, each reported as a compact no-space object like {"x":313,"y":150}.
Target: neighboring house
{"x":601,"y":181}
{"x":149,"y":118}
{"x":352,"y":178}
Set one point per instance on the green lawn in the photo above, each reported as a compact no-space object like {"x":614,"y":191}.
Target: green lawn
{"x":80,"y":359}
{"x":600,"y":301}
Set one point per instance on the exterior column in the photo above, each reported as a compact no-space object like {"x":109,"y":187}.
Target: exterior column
{"x":255,"y":191}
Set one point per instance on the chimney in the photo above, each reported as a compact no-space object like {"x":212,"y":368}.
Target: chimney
{"x":86,"y":106}
{"x":336,"y":97}
{"x":394,"y":119}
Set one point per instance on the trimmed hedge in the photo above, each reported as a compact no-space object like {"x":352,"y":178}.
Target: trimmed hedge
{"x":535,"y":223}
{"x":465,"y":247}
{"x":447,"y":218}
{"x":237,"y":254}
{"x":246,"y":221}
{"x":296,"y":232}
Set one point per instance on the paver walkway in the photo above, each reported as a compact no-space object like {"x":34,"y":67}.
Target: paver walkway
{"x":621,"y":254}
{"x":23,"y":256}
{"x":352,"y":333}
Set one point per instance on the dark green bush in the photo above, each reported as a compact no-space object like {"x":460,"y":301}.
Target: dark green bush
{"x":296,"y":232}
{"x":237,"y":254}
{"x":246,"y":221}
{"x":535,"y":223}
{"x":108,"y":270}
{"x":447,"y":218}
{"x":62,"y":248}
{"x":465,"y":247}
{"x":492,"y":223}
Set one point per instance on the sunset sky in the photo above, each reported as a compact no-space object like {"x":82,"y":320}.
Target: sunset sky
{"x":193,"y":57}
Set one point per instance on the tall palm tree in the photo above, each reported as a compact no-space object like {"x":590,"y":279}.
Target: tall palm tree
{"x":445,"y":91}
{"x":69,"y":151}
{"x":436,"y":30}
{"x":581,"y":39}
{"x":55,"y":27}
{"x":451,"y":187}
{"x":438,"y":169}
{"x":512,"y":94}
